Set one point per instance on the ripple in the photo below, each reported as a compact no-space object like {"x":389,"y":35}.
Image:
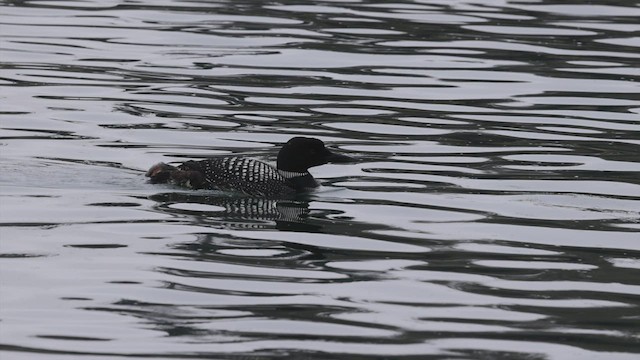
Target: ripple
{"x":494,"y":202}
{"x":630,"y":41}
{"x":196,"y":207}
{"x":534,"y":265}
{"x":523,"y":30}
{"x":363,"y":31}
{"x":353,"y":111}
{"x":592,"y":10}
{"x":385,"y":129}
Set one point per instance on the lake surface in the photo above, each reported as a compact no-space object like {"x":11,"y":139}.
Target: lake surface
{"x":494,"y":213}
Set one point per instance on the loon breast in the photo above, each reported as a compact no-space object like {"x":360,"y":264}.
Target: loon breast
{"x":246,"y":175}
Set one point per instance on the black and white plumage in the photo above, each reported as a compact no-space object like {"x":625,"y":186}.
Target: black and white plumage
{"x":251,"y":176}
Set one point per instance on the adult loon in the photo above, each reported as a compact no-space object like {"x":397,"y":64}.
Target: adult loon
{"x":251,"y":176}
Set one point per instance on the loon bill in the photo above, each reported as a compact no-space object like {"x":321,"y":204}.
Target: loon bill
{"x":251,"y":176}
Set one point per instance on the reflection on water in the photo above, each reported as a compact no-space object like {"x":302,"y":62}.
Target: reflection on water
{"x":494,"y":212}
{"x":228,"y":211}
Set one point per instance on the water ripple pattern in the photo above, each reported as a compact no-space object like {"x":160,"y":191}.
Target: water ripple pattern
{"x":494,"y":212}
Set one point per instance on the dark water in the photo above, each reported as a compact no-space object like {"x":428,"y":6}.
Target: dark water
{"x":495,"y":213}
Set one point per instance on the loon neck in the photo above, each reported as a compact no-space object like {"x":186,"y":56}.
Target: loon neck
{"x":299,"y":180}
{"x":292,"y":174}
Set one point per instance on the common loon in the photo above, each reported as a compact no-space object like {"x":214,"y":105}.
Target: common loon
{"x":251,"y":176}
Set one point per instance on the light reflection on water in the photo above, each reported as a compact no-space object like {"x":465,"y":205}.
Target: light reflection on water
{"x":494,"y":212}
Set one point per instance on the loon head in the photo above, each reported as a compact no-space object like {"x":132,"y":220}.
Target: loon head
{"x":301,"y":153}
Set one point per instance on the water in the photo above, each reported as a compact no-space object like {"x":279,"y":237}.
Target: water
{"x":494,"y":213}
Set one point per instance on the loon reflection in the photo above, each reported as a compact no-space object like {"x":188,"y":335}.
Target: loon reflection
{"x":240,"y":212}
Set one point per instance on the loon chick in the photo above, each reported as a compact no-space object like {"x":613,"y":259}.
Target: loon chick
{"x":251,"y":176}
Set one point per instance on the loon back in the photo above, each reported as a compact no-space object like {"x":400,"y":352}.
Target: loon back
{"x":251,"y":176}
{"x":240,"y":174}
